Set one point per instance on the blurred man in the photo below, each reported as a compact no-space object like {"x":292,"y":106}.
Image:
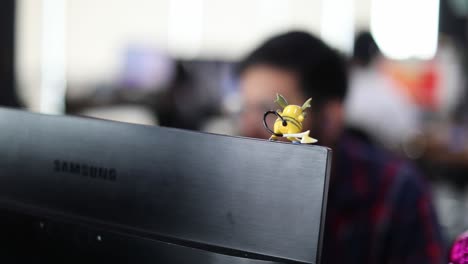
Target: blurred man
{"x":379,"y":208}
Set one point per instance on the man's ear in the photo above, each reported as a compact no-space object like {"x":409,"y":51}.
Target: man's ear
{"x":333,"y":120}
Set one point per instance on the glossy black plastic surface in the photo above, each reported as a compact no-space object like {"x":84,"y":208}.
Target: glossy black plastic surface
{"x":221,"y":197}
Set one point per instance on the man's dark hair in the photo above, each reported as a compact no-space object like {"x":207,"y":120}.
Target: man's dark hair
{"x":322,"y":70}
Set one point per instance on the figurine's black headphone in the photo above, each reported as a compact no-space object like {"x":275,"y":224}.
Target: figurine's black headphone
{"x":284,"y":123}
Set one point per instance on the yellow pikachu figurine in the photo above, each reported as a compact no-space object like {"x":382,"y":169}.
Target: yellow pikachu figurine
{"x":289,"y":121}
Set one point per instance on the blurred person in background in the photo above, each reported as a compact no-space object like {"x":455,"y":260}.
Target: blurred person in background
{"x":8,"y":96}
{"x":379,"y":207}
{"x":374,"y":104}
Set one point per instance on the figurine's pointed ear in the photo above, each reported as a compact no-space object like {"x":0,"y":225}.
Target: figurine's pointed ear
{"x":281,"y":101}
{"x":306,"y":104}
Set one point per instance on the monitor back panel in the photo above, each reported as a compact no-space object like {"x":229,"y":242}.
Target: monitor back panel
{"x":166,"y":189}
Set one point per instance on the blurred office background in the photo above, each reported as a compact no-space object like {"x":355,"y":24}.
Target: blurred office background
{"x":170,"y":63}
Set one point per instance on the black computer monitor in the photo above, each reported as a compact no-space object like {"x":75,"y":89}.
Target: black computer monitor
{"x":92,"y":191}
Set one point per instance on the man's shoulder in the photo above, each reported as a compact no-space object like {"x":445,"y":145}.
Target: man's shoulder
{"x":366,"y":175}
{"x":359,"y":149}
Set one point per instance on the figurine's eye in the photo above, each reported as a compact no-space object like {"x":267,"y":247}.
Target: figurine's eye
{"x":285,"y":123}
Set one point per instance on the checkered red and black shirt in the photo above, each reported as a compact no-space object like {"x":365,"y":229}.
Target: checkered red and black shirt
{"x":379,"y":209}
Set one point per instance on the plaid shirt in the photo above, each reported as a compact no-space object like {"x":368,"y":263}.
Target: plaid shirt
{"x":379,"y":209}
